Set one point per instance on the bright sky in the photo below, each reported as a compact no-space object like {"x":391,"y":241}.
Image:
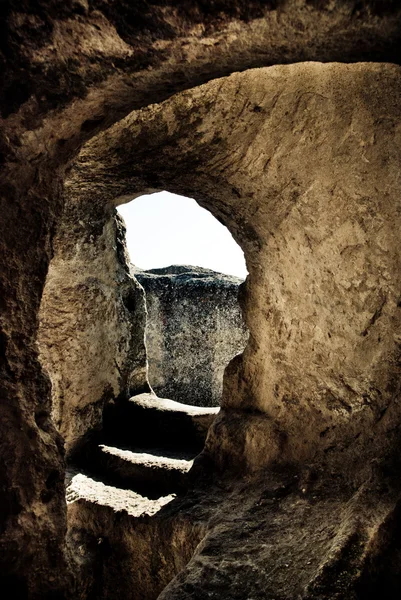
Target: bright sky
{"x":164,"y":229}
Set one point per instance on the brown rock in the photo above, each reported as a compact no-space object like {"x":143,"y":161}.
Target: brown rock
{"x":72,"y":70}
{"x":308,"y":186}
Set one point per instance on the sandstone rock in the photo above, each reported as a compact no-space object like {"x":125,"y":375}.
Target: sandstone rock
{"x":112,"y":534}
{"x":300,"y":162}
{"x":69,"y":72}
{"x":92,"y":329}
{"x":261,"y":539}
{"x":291,"y":538}
{"x":194,"y":328}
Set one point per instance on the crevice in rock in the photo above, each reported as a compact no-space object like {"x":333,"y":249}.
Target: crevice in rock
{"x":376,"y":315}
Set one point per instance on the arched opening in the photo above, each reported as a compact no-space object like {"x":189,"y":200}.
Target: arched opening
{"x":190,"y":268}
{"x":131,"y":455}
{"x":165,"y":229}
{"x":292,"y":395}
{"x":69,"y":73}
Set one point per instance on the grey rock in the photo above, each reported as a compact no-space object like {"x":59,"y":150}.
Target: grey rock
{"x":194,"y":328}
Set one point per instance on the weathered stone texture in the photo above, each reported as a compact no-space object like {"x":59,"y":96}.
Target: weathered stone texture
{"x":126,"y":545}
{"x":92,"y":332}
{"x":194,"y":328}
{"x":301,"y":163}
{"x":32,"y":512}
{"x":304,"y":170}
{"x":296,"y":536}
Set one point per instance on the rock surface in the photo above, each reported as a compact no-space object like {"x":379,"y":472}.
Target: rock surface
{"x":126,"y":536}
{"x":268,"y":538}
{"x":194,"y":328}
{"x":92,"y":326}
{"x":124,"y":544}
{"x":69,"y":72}
{"x":301,"y":163}
{"x":152,"y":474}
{"x":294,"y":537}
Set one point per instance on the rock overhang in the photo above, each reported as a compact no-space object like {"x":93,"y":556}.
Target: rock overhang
{"x":44,"y":132}
{"x":297,"y":183}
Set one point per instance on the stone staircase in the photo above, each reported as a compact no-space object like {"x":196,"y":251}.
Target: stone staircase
{"x":120,"y":493}
{"x":147,"y":445}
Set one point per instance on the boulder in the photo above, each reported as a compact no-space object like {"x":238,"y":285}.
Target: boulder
{"x":194,"y":328}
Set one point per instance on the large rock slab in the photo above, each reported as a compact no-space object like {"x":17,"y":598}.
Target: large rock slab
{"x":296,"y":536}
{"x":92,"y":329}
{"x":146,"y":472}
{"x":194,"y":328}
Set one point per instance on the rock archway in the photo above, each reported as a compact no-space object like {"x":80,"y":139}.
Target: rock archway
{"x":300,"y":162}
{"x":70,"y":74}
{"x":288,"y":158}
{"x":92,"y":332}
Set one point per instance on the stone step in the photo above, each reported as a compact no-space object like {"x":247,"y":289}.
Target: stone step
{"x":146,"y":472}
{"x":119,"y":539}
{"x":85,"y":488}
{"x":148,"y":421}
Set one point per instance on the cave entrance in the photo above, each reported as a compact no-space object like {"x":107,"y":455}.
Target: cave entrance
{"x":127,"y":448}
{"x":190,"y":268}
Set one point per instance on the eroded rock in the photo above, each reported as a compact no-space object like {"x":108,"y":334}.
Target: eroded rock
{"x":124,"y":543}
{"x":71,"y":71}
{"x":92,"y":329}
{"x":194,"y":328}
{"x":300,"y":162}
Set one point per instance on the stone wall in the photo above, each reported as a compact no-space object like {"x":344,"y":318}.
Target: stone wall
{"x":194,"y":328}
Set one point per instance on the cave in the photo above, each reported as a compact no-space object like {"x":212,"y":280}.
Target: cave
{"x":95,"y":319}
{"x":282,"y":119}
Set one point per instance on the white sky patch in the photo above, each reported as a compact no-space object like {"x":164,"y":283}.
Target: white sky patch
{"x":165,"y":229}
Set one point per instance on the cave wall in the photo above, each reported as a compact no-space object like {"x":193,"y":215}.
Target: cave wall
{"x":32,"y":513}
{"x":194,"y":328}
{"x":68,"y":72}
{"x":301,"y":163}
{"x":92,"y":325}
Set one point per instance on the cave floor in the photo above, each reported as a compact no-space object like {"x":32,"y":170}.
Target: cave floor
{"x":142,"y":515}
